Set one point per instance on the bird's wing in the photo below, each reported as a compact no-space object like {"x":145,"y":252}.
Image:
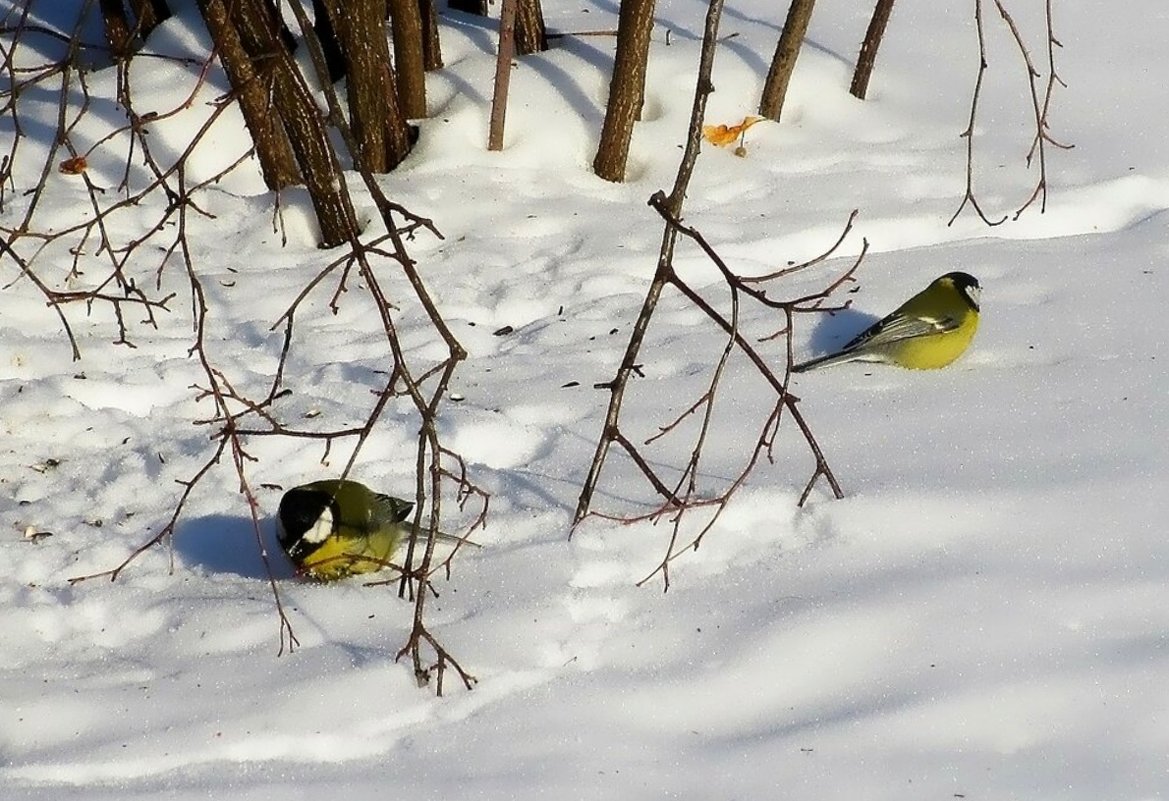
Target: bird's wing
{"x":898,"y":327}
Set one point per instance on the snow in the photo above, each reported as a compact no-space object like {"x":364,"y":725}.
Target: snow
{"x":984,"y":615}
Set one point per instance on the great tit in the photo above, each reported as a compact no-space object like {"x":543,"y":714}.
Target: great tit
{"x":337,"y":528}
{"x":928,"y":331}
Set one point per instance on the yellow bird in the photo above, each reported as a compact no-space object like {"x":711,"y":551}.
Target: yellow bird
{"x":928,"y":331}
{"x":333,"y":529}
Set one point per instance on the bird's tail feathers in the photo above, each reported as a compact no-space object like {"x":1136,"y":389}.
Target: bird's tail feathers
{"x":452,"y":539}
{"x":827,"y":361}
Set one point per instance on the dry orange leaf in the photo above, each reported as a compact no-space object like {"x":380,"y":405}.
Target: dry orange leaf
{"x":723,"y":135}
{"x":73,"y":166}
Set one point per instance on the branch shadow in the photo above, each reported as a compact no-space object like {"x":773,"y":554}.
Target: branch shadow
{"x":585,"y":106}
{"x":227,"y":544}
{"x":480,"y":31}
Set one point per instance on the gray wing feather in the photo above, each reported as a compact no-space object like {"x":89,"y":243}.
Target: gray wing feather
{"x":896,"y":329}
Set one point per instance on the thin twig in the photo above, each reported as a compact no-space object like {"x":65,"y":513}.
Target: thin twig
{"x":968,"y":134}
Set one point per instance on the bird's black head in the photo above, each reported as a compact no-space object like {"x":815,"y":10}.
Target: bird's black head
{"x":300,"y":514}
{"x":968,"y":285}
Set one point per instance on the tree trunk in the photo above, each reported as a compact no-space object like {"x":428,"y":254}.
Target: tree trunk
{"x":406,"y":23}
{"x":626,"y":88}
{"x":868,"y":55}
{"x":274,"y":151}
{"x":150,"y":14}
{"x":278,"y":20}
{"x":297,"y":109}
{"x":507,"y":16}
{"x":530,"y":33}
{"x":382,"y":133}
{"x":784,"y":61}
{"x":330,"y":47}
{"x":431,"y":47}
{"x":117,"y":28}
{"x":477,"y":7}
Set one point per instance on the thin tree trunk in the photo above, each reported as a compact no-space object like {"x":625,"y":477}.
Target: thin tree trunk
{"x":274,"y":151}
{"x":431,"y":46}
{"x":872,"y":42}
{"x":507,"y":16}
{"x":530,"y":34}
{"x":784,"y":61}
{"x":626,"y":88}
{"x":406,"y":23}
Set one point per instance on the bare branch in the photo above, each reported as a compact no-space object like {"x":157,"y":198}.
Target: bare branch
{"x":113,"y":262}
{"x":968,"y":134}
{"x":685,"y":494}
{"x":1040,"y":111}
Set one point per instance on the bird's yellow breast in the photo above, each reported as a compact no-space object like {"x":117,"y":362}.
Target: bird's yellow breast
{"x":340,"y":556}
{"x":935,"y":350}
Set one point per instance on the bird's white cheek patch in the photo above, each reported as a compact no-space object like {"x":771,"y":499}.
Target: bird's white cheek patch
{"x":322,"y":528}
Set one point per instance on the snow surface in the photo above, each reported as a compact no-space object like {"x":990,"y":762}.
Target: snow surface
{"x":984,"y":616}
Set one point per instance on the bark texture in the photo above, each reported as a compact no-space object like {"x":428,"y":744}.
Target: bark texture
{"x":868,"y":54}
{"x":784,"y":60}
{"x":626,"y":88}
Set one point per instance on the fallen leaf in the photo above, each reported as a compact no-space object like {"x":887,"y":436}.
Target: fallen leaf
{"x":73,"y":166}
{"x":723,"y":135}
